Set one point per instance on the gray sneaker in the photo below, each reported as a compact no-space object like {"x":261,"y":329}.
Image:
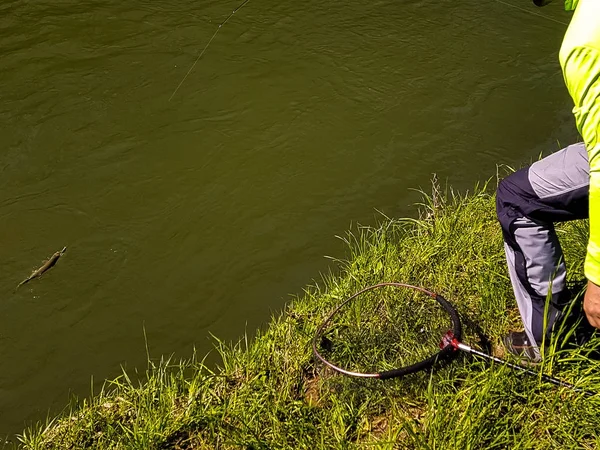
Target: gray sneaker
{"x":518,"y":344}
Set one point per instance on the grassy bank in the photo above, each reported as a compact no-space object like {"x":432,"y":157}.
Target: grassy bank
{"x":270,"y":393}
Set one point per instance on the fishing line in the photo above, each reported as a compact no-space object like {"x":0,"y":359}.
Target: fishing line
{"x":531,"y":12}
{"x":206,"y":46}
{"x":246,"y":1}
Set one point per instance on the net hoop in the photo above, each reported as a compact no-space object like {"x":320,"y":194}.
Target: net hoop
{"x":401,"y":371}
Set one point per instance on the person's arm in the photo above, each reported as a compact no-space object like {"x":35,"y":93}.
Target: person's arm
{"x":591,"y":304}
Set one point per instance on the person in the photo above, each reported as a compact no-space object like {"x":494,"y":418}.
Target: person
{"x":563,"y":186}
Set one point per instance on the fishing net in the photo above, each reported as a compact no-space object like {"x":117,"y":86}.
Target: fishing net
{"x":386,"y":330}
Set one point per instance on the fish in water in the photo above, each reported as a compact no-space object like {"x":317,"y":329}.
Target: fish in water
{"x":47,"y":265}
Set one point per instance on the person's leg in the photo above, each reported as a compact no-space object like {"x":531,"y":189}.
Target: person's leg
{"x":528,"y":203}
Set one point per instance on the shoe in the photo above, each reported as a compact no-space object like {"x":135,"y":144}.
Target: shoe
{"x":518,"y":344}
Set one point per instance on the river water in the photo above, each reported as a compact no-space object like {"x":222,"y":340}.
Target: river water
{"x":205,"y":212}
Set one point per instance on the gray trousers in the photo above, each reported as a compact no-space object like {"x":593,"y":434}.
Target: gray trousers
{"x":528,"y":204}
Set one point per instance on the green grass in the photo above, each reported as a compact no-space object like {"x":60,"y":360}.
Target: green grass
{"x":269,"y":393}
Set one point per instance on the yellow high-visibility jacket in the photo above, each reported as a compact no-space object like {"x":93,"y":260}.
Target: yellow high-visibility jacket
{"x":580,"y":62}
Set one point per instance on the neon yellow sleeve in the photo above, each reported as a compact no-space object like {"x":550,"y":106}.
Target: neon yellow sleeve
{"x":580,"y":61}
{"x":581,"y":69}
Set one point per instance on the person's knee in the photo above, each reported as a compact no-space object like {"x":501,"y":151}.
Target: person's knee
{"x":501,"y":197}
{"x":505,"y":193}
{"x":513,"y":196}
